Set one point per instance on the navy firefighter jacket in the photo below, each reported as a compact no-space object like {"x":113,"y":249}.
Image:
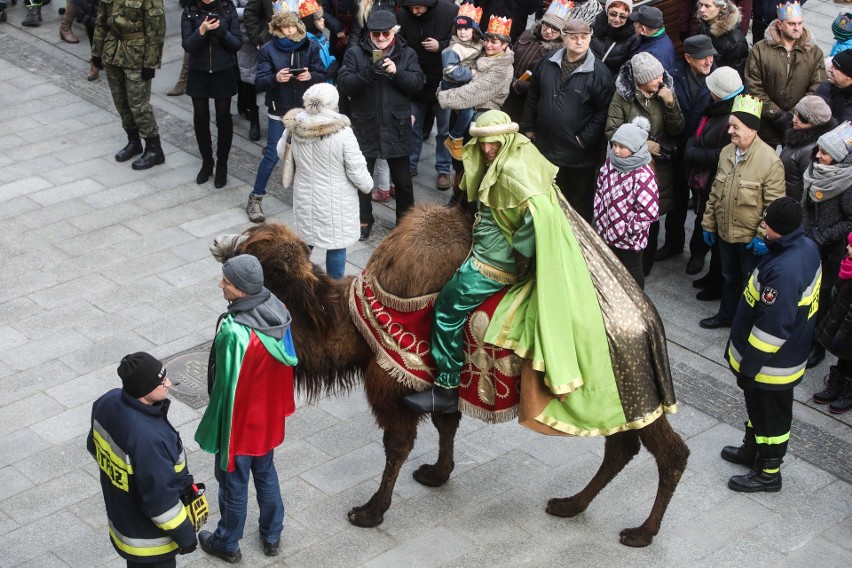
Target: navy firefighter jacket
{"x":143,"y":473}
{"x":773,"y":330}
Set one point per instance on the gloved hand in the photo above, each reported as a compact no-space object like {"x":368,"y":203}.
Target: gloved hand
{"x":147,"y":74}
{"x":376,"y":70}
{"x":745,"y":382}
{"x":817,"y":236}
{"x":188,"y":549}
{"x":838,"y":345}
{"x":757,"y":246}
{"x":97,"y":62}
{"x":782,"y":121}
{"x":709,"y":238}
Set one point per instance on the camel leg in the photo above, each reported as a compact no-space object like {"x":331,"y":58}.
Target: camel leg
{"x":435,"y":475}
{"x":671,"y":453}
{"x":618,"y":451}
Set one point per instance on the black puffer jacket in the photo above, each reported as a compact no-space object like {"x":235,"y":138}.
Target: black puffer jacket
{"x":797,"y":154}
{"x":840,"y":100}
{"x":727,"y":38}
{"x":702,"y":150}
{"x":217,"y":49}
{"x":87,"y":11}
{"x":381,"y":107}
{"x":559,"y":113}
{"x":436,"y":23}
{"x":623,"y":41}
{"x":838,"y":324}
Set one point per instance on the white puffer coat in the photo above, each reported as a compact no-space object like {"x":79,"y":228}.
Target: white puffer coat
{"x":326,"y":170}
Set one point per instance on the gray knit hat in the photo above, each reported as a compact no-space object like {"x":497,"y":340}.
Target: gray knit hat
{"x":381,"y":21}
{"x":814,"y":110}
{"x":244,"y":272}
{"x":646,"y":67}
{"x":634,"y":134}
{"x":725,"y":83}
{"x":834,"y":142}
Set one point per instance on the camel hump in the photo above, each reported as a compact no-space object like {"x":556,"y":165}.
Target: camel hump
{"x":423,"y":252}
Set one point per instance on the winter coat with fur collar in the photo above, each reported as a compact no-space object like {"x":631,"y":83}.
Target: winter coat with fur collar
{"x":487,"y":89}
{"x":797,"y":155}
{"x":326,"y":169}
{"x":780,"y":79}
{"x":727,"y":37}
{"x":623,"y":42}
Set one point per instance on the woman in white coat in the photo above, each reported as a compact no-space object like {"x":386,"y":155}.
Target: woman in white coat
{"x":325,"y":167}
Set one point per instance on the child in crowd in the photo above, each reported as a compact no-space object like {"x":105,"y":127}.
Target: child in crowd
{"x":835,"y":334}
{"x":458,"y":59}
{"x":313,"y":17}
{"x":627,"y":199}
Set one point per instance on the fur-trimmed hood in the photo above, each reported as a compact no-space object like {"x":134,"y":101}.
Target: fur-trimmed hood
{"x":799,"y":138}
{"x":773,"y":37}
{"x":625,"y":85}
{"x":304,"y":125}
{"x":729,"y":18}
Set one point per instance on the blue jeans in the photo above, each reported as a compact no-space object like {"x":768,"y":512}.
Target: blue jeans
{"x":443,"y":160}
{"x":233,"y":500}
{"x":737,"y":264}
{"x":462,"y":122}
{"x":335,"y":263}
{"x":270,"y":155}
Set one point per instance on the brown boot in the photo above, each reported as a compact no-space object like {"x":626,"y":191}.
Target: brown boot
{"x":93,"y":73}
{"x":454,"y":145}
{"x":180,"y":86}
{"x":65,"y":31}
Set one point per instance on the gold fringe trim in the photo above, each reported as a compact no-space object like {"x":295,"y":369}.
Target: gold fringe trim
{"x":488,"y":416}
{"x":397,"y":303}
{"x":495,"y":274}
{"x":571,"y":430}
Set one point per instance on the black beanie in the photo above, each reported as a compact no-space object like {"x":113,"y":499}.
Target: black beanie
{"x":748,"y":119}
{"x":783,"y":215}
{"x":843,"y":61}
{"x":140,"y":373}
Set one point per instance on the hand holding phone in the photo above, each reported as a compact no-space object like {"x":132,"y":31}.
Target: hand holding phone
{"x":378,"y":55}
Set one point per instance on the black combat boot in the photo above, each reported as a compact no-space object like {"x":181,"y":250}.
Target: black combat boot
{"x":833,"y":382}
{"x":254,"y":124}
{"x":745,"y":454}
{"x":152,"y":156}
{"x":765,"y":477}
{"x":133,"y":148}
{"x":436,"y":399}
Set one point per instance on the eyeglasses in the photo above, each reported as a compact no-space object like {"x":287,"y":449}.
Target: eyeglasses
{"x":617,"y":15}
{"x":802,"y":118}
{"x":385,"y":34}
{"x":550,"y":28}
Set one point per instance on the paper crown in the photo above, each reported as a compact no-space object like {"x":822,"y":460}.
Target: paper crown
{"x":468,"y":10}
{"x":844,"y":132}
{"x":307,"y":7}
{"x":789,"y":10}
{"x":747,"y":104}
{"x":499,"y":25}
{"x":561,"y":9}
{"x":285,"y":6}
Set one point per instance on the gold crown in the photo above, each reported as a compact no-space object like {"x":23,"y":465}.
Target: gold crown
{"x":789,"y":10}
{"x":747,"y":104}
{"x":307,"y":7}
{"x":470,"y":11}
{"x":561,"y":9}
{"x":499,"y":25}
{"x":285,"y":6}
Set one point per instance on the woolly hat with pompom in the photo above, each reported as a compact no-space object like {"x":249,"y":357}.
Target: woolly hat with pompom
{"x":634,"y":134}
{"x":320,"y":97}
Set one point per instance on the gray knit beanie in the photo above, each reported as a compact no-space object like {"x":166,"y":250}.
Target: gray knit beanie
{"x":244,"y":272}
{"x":646,"y":67}
{"x":725,"y":83}
{"x":634,"y":134}
{"x":814,"y":110}
{"x":834,"y":144}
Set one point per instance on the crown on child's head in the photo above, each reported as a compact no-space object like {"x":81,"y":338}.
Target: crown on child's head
{"x":285,"y":6}
{"x":307,"y":7}
{"x":499,"y":25}
{"x":789,"y":10}
{"x":561,"y":9}
{"x":468,"y":10}
{"x":747,"y":104}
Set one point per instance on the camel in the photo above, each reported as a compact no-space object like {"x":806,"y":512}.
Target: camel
{"x":415,"y":259}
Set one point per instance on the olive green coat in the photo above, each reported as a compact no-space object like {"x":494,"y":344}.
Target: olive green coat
{"x":130,"y":33}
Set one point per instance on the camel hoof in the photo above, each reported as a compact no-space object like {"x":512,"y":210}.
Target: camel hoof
{"x":426,"y":475}
{"x":637,"y":538}
{"x":564,"y":507}
{"x":365,"y":517}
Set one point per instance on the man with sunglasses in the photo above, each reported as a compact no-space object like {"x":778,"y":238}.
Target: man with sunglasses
{"x":142,"y":466}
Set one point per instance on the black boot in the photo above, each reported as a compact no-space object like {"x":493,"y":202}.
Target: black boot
{"x":33,"y":18}
{"x":152,"y":156}
{"x":436,"y":399}
{"x":765,"y":477}
{"x":223,"y":150}
{"x":254,"y":126}
{"x":133,"y":148}
{"x":816,"y":356}
{"x":833,"y":382}
{"x":205,"y":148}
{"x":205,"y":172}
{"x":844,"y":401}
{"x":745,"y":454}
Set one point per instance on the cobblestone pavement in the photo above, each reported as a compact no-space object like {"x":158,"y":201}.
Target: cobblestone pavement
{"x":99,"y":260}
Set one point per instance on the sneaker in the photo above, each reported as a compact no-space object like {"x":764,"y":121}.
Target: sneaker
{"x":454,"y":145}
{"x":844,"y":402}
{"x":380,"y":195}
{"x":255,"y":209}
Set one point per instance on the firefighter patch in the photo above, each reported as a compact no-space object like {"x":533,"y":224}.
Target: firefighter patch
{"x":769,"y":296}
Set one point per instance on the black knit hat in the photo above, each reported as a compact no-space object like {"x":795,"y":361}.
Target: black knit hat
{"x":140,"y":373}
{"x":783,"y":215}
{"x":843,"y":62}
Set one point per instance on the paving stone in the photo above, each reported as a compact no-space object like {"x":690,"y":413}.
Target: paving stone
{"x":82,"y":287}
{"x":215,"y":223}
{"x":141,"y":266}
{"x":12,"y":482}
{"x":47,"y":322}
{"x":108,"y":216}
{"x":97,"y":551}
{"x":28,"y":542}
{"x":25,"y":186}
{"x":105,"y":352}
{"x":178,"y":324}
{"x":436,"y":547}
{"x":66,"y":191}
{"x":18,"y":445}
{"x":155,"y":241}
{"x":23,"y":413}
{"x":71,"y":454}
{"x":62,"y":427}
{"x":348,"y":470}
{"x":10,"y":337}
{"x":20,"y":385}
{"x":65,"y":490}
{"x":113,"y":195}
{"x":144,"y":292}
{"x":57,"y":212}
{"x":347,"y":436}
{"x":49,"y":560}
{"x":17,"y":206}
{"x":202,"y":273}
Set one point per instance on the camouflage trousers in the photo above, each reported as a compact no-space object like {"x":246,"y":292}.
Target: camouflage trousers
{"x":132,"y":98}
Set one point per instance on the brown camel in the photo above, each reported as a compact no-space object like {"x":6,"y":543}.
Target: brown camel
{"x":415,"y":259}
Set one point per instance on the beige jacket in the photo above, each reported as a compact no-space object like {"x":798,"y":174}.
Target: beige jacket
{"x":741,"y":193}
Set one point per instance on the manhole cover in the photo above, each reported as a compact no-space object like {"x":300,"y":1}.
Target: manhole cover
{"x":190,"y":369}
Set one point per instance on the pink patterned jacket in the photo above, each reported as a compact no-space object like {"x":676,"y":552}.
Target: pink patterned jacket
{"x":625,"y":206}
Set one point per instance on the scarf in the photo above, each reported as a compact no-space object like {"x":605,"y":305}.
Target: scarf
{"x":823,"y":182}
{"x":846,"y":269}
{"x":639,"y":158}
{"x":262,"y":312}
{"x":286,"y":44}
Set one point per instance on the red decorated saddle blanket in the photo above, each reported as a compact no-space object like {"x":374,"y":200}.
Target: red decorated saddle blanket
{"x":398,"y":331}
